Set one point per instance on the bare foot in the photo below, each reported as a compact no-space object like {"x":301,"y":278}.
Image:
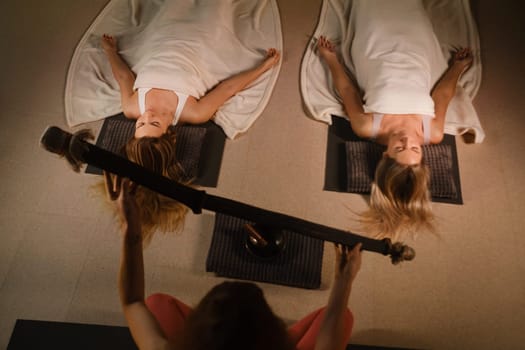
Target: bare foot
{"x":109,"y":43}
{"x":272,"y":57}
{"x":326,"y":48}
{"x":462,"y":58}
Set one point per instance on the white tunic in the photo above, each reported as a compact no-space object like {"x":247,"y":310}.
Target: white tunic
{"x":393,"y":51}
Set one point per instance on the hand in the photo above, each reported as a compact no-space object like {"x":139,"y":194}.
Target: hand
{"x":347,"y":262}
{"x":326,"y":48}
{"x":109,"y":43}
{"x":462,"y":58}
{"x":272,"y":57}
{"x":123,"y":191}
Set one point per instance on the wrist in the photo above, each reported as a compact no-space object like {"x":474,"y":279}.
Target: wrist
{"x":458,"y":67}
{"x":342,"y":283}
{"x":111,"y":52}
{"x":131,"y":229}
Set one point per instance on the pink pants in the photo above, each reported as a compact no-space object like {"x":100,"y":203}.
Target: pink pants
{"x":172,"y":313}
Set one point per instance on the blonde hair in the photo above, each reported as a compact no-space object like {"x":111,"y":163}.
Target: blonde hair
{"x":399,"y":200}
{"x":157,"y":211}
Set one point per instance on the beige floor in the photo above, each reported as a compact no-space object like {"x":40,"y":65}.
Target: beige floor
{"x":59,"y":249}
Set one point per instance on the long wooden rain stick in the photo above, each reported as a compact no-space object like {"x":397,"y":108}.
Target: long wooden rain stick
{"x":63,"y":143}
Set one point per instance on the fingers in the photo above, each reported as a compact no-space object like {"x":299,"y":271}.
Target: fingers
{"x":111,"y":190}
{"x":341,"y":250}
{"x":271,"y":52}
{"x":346,"y":250}
{"x":325,"y":46}
{"x":274,"y":54}
{"x":356,"y":249}
{"x":324,"y":42}
{"x":133,"y":188}
{"x":462,"y":53}
{"x":109,"y":42}
{"x":128,"y":186}
{"x":116,"y":186}
{"x":344,"y":253}
{"x":321,"y":42}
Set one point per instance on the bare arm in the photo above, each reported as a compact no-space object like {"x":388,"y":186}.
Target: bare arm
{"x":360,"y":121}
{"x":197,"y":112}
{"x":445,"y":90}
{"x":331,"y":333}
{"x":124,"y":76}
{"x":142,"y":324}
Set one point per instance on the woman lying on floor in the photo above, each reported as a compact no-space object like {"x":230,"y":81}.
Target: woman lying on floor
{"x":155,"y":110}
{"x":392,"y":58}
{"x":232,"y":315}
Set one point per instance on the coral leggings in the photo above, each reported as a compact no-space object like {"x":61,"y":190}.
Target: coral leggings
{"x":172,"y":313}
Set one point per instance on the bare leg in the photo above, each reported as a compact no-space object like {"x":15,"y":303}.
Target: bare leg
{"x":202,"y":110}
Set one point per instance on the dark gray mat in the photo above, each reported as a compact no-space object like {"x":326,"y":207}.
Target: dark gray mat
{"x":299,"y":265}
{"x":31,"y":335}
{"x":351,"y":163}
{"x":199,"y":147}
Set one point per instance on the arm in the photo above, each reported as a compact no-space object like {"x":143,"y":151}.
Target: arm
{"x":360,"y":121}
{"x":142,"y":324}
{"x":197,"y":112}
{"x":445,"y":90}
{"x":331,"y":333}
{"x":124,"y":76}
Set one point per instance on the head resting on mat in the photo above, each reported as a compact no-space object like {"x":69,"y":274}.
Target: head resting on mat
{"x":158,"y":155}
{"x":234,"y":315}
{"x":399,"y":199}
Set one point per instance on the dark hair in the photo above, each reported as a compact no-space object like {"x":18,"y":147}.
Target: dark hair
{"x":234,"y":315}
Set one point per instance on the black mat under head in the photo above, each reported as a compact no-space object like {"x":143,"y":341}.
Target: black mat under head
{"x":299,"y":265}
{"x":351,"y":163}
{"x":199,"y":147}
{"x":30,"y":335}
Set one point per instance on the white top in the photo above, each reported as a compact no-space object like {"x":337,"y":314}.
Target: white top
{"x":376,"y":124}
{"x":393,"y":50}
{"x":178,"y":111}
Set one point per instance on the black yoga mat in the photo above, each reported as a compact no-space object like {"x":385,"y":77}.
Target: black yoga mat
{"x":199,"y":147}
{"x":299,"y":265}
{"x":31,"y":335}
{"x":351,"y":163}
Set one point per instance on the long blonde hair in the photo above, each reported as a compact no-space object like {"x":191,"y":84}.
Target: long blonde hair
{"x":400,"y":200}
{"x":157,"y":212}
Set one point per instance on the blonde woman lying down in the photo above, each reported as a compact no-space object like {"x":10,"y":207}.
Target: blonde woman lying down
{"x":391,"y":50}
{"x":155,"y":110}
